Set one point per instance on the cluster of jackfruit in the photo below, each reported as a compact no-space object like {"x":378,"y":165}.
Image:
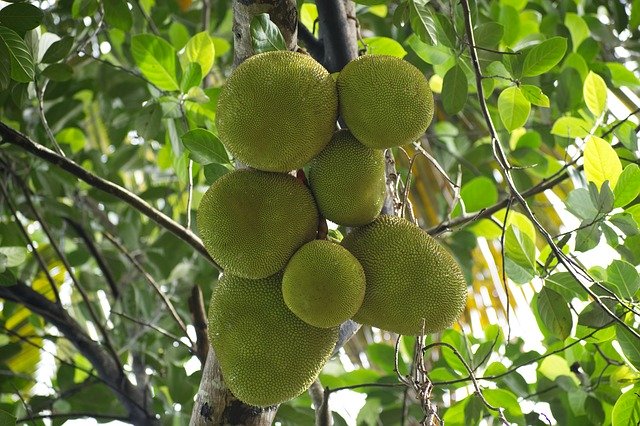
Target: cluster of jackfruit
{"x":275,"y":314}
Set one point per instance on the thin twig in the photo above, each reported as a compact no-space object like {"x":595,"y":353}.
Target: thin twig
{"x":154,"y":328}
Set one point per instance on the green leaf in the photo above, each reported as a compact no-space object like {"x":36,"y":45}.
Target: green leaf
{"x":510,"y":22}
{"x":22,"y":69}
{"x":117,"y":14}
{"x":630,"y":345}
{"x":58,"y":72}
{"x":21,"y":17}
{"x":488,"y":34}
{"x":602,"y":199}
{"x":578,"y":28}
{"x":571,"y":127}
{"x":383,"y":46}
{"x":544,"y":56}
{"x":192,"y":77}
{"x":627,"y":188}
{"x":624,"y":277}
{"x":15,"y":256}
{"x":626,"y":411}
{"x":534,"y":95}
{"x":601,"y":162}
{"x":566,"y":285}
{"x":7,"y":279}
{"x":200,"y":50}
{"x":7,"y":419}
{"x":513,"y":107}
{"x":5,"y":66}
{"x":478,"y":193}
{"x":634,"y":18}
{"x":383,"y":356}
{"x":214,"y":170}
{"x":58,"y":50}
{"x":554,"y":313}
{"x":594,"y":91}
{"x":625,"y":223}
{"x":205,"y":147}
{"x":73,"y":137}
{"x":156,"y":59}
{"x":579,"y":203}
{"x":520,"y":255}
{"x":454,"y":89}
{"x":422,"y":22}
{"x":508,"y":401}
{"x":622,"y":76}
{"x":265,"y":35}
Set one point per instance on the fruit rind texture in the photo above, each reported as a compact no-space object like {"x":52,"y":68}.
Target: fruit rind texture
{"x":385,"y":101}
{"x":252,"y":222}
{"x":348,"y":180}
{"x":409,"y":276}
{"x":323,"y":284}
{"x":277,"y":110}
{"x":267,"y":355}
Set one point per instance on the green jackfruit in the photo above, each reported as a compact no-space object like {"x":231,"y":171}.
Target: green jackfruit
{"x":323,"y":284}
{"x":252,"y":222}
{"x":348,"y":180}
{"x":410,"y":277}
{"x":384,"y":100}
{"x":277,"y":111}
{"x":267,"y":355}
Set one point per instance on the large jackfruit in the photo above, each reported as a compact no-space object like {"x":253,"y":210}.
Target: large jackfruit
{"x":348,"y":180}
{"x":277,"y":110}
{"x":323,"y":284}
{"x":384,"y":100}
{"x":410,"y":277}
{"x":267,"y":354}
{"x":252,"y":222}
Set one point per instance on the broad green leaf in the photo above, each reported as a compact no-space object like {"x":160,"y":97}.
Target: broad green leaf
{"x":191,"y":77}
{"x":508,"y":401}
{"x":383,"y":356}
{"x":578,"y":29}
{"x":580,"y":204}
{"x":534,"y":95}
{"x":7,"y":278}
{"x":454,"y":89}
{"x":265,"y":35}
{"x":544,"y":56}
{"x":21,"y":17}
{"x":555,"y":366}
{"x":117,"y":14}
{"x":625,"y":223}
{"x":205,"y":147}
{"x":214,"y":170}
{"x":630,"y":345}
{"x":554,"y":313}
{"x":156,"y":59}
{"x":7,"y":419}
{"x":602,"y":199}
{"x":200,"y":50}
{"x":58,"y":50}
{"x":566,"y":285}
{"x":624,"y":277}
{"x":73,"y":137}
{"x":510,"y":21}
{"x":520,"y":255}
{"x":434,"y":55}
{"x":14,"y":256}
{"x":628,"y":186}
{"x":58,"y":72}
{"x":178,"y":35}
{"x":478,"y":193}
{"x":571,"y":127}
{"x":22,"y":69}
{"x":594,"y":91}
{"x":634,"y":18}
{"x":422,"y":22}
{"x":601,"y":162}
{"x":513,"y":107}
{"x":626,"y":411}
{"x":622,"y":76}
{"x":383,"y":46}
{"x":488,"y":34}
{"x":5,"y":66}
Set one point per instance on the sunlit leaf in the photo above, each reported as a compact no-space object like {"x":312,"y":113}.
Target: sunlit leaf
{"x":628,"y":187}
{"x":514,"y":108}
{"x":200,"y":49}
{"x":595,"y":93}
{"x":601,"y":162}
{"x":544,"y":56}
{"x":156,"y":59}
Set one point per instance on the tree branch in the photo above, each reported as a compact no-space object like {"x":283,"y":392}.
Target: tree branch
{"x":338,"y":33}
{"x":199,"y":319}
{"x":16,"y":138}
{"x":314,"y":46}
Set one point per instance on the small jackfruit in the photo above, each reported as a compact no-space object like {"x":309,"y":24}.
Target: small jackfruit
{"x":348,"y":180}
{"x":410,"y":277}
{"x":323,"y":284}
{"x":385,"y":101}
{"x":267,"y":355}
{"x":252,"y":222}
{"x":277,"y":110}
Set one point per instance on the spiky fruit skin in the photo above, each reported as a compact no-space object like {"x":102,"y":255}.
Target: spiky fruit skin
{"x":348,"y":180}
{"x":277,"y":110}
{"x":323,"y":284}
{"x":267,"y":355}
{"x":385,"y":101}
{"x":252,"y":222}
{"x":410,"y":276}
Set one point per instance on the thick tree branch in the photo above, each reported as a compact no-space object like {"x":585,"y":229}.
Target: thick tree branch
{"x":312,"y":44}
{"x":16,"y":138}
{"x":338,"y":33}
{"x":199,"y":319}
{"x":132,"y":398}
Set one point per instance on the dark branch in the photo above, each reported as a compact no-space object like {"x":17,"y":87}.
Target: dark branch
{"x":312,"y":44}
{"x":338,"y":33}
{"x":199,"y":318}
{"x":18,"y":139}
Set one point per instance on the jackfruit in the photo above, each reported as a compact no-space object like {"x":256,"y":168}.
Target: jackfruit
{"x":277,"y":110}
{"x":410,"y":277}
{"x":348,"y":180}
{"x":385,"y":101}
{"x":252,"y":222}
{"x":267,"y":355}
{"x":323,"y":284}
